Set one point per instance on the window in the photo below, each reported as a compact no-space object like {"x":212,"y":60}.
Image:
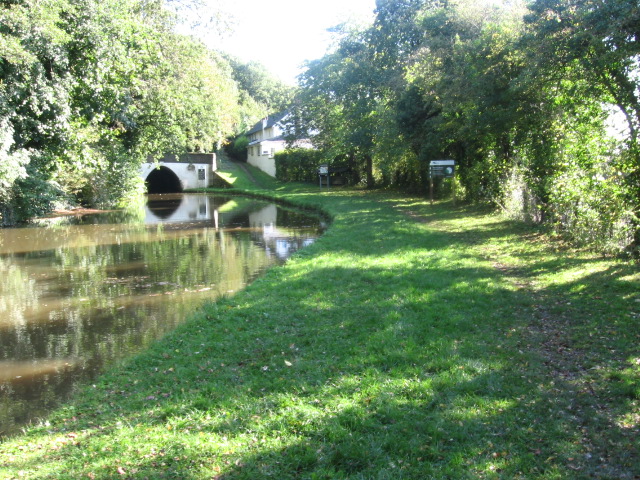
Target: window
{"x":201,"y":174}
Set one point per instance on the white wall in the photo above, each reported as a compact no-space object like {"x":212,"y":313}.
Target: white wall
{"x":188,"y":176}
{"x":266,"y":163}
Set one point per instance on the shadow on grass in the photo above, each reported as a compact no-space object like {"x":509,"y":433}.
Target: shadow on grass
{"x":437,"y":400}
{"x":417,"y":362}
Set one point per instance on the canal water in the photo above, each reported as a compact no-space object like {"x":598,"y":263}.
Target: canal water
{"x":80,"y":293}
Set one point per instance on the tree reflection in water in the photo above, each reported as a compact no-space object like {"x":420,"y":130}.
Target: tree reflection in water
{"x":81,"y":293}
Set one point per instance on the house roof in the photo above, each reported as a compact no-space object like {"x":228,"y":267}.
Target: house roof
{"x":271,"y":121}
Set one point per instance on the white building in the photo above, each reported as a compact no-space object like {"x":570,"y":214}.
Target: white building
{"x":266,"y":138}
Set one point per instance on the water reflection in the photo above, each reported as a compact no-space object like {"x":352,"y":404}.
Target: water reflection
{"x":80,"y":293}
{"x":181,"y":208}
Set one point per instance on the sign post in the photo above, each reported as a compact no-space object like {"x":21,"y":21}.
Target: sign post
{"x":431,"y":188}
{"x":323,"y":171}
{"x":442,"y":169}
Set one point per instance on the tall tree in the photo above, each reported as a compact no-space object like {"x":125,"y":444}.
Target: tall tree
{"x":89,"y":89}
{"x":600,"y":37}
{"x":589,"y":50}
{"x":260,"y":92}
{"x":344,"y":99}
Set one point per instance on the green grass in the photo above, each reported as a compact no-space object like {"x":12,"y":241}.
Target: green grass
{"x":245,"y":177}
{"x":412,"y":341}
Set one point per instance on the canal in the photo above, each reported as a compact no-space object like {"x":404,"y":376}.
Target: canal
{"x":81,"y":293}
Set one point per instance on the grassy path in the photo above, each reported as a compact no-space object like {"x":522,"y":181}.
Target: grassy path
{"x":410,"y":342}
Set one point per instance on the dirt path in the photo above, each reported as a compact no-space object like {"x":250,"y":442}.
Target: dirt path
{"x":249,"y":175}
{"x":577,"y":392}
{"x":227,"y":164}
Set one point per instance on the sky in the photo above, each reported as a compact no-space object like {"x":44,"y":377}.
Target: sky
{"x":283,"y":34}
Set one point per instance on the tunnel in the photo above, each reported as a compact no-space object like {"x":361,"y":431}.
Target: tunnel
{"x":163,"y":180}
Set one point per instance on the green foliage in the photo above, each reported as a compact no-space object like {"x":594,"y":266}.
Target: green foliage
{"x":260,"y":92}
{"x":238,"y":148}
{"x":94,"y":88}
{"x":32,"y":196}
{"x":598,"y":40}
{"x":517,"y":200}
{"x":342,"y":101}
{"x":298,"y":165}
{"x":514,"y":93}
{"x":254,"y":79}
{"x":12,"y":167}
{"x":591,"y":207}
{"x":411,"y":341}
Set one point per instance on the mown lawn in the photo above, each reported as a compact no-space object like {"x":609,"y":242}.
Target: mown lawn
{"x":412,"y":341}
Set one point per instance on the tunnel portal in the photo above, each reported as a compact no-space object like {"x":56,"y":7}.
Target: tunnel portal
{"x":163,"y":180}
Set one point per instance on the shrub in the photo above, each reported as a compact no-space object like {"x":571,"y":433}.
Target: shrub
{"x":519,"y":201}
{"x":591,"y":207}
{"x":237,"y":149}
{"x":33,"y":196}
{"x":298,"y":165}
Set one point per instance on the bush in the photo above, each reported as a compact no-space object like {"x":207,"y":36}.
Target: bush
{"x":298,"y":165}
{"x":237,"y":149}
{"x":519,"y":201}
{"x":591,"y":207}
{"x":33,"y":196}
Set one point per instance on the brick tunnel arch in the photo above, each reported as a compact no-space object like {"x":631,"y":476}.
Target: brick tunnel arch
{"x":163,"y":180}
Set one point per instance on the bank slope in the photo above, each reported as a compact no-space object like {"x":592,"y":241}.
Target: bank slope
{"x":411,"y":341}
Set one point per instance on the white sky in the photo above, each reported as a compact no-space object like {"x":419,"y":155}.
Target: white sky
{"x":282,"y":34}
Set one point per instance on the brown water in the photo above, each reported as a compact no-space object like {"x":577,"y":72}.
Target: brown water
{"x":78,"y":294}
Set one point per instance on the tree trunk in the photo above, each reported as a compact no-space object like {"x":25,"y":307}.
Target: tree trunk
{"x":369,"y":171}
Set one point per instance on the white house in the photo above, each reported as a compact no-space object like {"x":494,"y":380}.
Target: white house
{"x":266,"y":138}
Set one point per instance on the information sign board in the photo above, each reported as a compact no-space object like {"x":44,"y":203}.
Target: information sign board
{"x":442,"y":168}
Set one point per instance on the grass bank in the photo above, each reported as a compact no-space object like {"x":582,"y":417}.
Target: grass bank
{"x":412,"y":341}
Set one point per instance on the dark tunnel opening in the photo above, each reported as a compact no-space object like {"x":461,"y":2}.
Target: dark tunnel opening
{"x":163,"y":180}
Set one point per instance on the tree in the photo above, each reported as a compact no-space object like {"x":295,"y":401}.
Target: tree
{"x":588,"y":50}
{"x":260,"y":92}
{"x":12,"y":167}
{"x":90,"y":89}
{"x":517,"y":95}
{"x":343,"y":100}
{"x":602,"y":38}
